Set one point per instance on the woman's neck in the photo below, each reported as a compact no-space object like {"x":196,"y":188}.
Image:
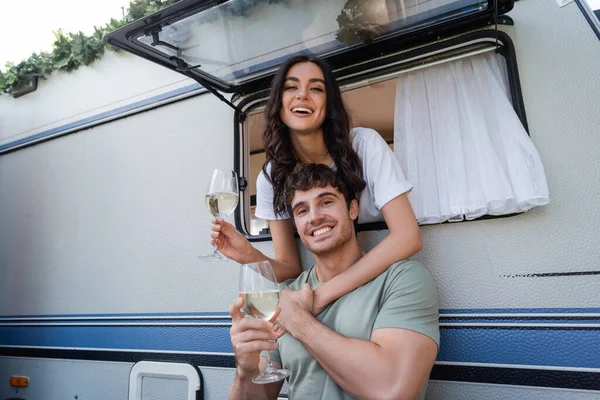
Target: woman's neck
{"x":310,"y":148}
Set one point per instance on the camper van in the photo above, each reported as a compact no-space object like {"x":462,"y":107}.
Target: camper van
{"x":491,"y":107}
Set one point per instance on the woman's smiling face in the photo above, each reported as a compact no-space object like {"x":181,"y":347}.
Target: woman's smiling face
{"x":304,"y":98}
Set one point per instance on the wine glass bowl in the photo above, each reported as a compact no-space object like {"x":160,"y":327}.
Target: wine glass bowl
{"x":221,"y":199}
{"x":260,"y":290}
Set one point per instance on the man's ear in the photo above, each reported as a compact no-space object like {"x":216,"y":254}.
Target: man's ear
{"x":353,"y":210}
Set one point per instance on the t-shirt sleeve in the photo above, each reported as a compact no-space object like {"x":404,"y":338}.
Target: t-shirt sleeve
{"x":381,"y":168}
{"x":410,"y":301}
{"x":264,"y":200}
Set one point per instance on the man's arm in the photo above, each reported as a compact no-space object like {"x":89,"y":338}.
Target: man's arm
{"x":394,"y":364}
{"x":249,"y":337}
{"x":243,"y":388}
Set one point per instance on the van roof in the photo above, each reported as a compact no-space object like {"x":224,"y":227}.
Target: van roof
{"x":227,"y":45}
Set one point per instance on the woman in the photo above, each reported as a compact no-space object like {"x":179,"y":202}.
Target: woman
{"x":308,"y":123}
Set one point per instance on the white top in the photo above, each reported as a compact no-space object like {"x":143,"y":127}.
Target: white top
{"x":381,"y":171}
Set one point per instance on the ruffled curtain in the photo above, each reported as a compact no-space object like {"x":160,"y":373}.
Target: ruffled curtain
{"x":462,"y":145}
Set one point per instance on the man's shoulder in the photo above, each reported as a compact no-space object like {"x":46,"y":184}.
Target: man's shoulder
{"x":408,"y":271}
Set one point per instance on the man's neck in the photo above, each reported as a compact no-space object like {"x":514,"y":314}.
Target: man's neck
{"x":332,"y":264}
{"x":310,"y":147}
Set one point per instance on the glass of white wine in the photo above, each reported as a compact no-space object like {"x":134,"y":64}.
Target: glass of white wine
{"x":221,"y":199}
{"x":260,"y":290}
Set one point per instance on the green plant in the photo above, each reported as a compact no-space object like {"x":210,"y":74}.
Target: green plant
{"x":72,"y":50}
{"x":355,"y":22}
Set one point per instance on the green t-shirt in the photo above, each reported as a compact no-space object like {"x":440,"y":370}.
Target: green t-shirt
{"x":403,"y":297}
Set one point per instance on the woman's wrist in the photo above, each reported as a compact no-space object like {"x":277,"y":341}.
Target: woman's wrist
{"x":254,"y":255}
{"x":320,"y":299}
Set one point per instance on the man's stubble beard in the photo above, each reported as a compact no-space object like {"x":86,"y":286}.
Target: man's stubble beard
{"x":344,"y":237}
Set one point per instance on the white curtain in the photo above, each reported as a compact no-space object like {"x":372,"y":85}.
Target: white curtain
{"x":461,"y":143}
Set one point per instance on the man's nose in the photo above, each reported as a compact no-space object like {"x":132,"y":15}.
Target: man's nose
{"x":315,"y":215}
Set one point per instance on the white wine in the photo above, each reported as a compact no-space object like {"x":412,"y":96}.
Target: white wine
{"x":221,"y":203}
{"x":261,"y":305}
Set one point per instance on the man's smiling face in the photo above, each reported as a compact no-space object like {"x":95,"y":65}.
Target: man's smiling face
{"x":323,"y":219}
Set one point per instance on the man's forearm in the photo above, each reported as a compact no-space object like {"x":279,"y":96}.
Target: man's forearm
{"x":360,"y":367}
{"x":244,"y":389}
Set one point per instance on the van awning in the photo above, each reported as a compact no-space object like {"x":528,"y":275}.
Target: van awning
{"x":227,"y":45}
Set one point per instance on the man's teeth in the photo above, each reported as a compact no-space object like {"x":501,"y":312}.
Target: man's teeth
{"x":321,"y":231}
{"x":302,"y":110}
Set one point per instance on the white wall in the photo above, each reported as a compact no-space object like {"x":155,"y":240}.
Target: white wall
{"x":112,"y":219}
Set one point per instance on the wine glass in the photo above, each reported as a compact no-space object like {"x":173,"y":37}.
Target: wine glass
{"x":221,"y":199}
{"x":260,"y":291}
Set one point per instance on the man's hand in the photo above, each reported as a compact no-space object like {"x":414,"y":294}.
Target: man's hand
{"x":249,"y":337}
{"x":293,"y":305}
{"x":231,"y":242}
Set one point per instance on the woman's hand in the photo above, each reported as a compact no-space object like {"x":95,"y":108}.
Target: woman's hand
{"x":231,"y":242}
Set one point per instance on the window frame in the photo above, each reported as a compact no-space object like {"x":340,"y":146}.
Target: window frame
{"x":382,"y":68}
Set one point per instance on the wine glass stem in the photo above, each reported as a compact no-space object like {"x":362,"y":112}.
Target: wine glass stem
{"x":216,"y":246}
{"x":269,"y":364}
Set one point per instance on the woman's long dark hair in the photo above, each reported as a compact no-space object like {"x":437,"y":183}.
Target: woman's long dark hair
{"x":336,"y":132}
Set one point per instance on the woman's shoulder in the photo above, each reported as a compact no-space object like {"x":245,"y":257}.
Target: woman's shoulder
{"x":364,"y":139}
{"x":361,"y":133}
{"x":261,"y":179}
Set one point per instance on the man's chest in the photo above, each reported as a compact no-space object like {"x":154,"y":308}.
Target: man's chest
{"x":352,"y":316}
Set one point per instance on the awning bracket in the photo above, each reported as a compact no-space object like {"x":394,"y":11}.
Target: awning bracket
{"x":185,"y":69}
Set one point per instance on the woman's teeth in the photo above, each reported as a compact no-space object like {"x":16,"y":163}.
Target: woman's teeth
{"x":302,"y":110}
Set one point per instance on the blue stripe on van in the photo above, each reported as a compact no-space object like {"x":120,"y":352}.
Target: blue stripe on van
{"x":443,"y":312}
{"x":214,"y":339}
{"x":119,"y":315}
{"x":518,"y":310}
{"x":561,"y":346}
{"x":542,"y":347}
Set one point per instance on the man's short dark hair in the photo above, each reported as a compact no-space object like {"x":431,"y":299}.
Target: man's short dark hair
{"x":309,"y":176}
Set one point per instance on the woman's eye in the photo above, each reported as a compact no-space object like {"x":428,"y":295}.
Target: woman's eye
{"x":317,"y":89}
{"x":289,"y":88}
{"x":301,"y":212}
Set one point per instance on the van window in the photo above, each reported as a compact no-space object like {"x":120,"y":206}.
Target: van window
{"x":371,"y":101}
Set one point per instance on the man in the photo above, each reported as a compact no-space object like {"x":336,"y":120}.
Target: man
{"x":377,"y":342}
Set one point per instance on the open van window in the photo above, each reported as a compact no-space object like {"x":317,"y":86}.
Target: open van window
{"x":370,"y":98}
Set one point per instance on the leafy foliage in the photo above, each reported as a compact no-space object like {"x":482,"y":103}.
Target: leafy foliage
{"x":72,"y":50}
{"x":355,"y":22}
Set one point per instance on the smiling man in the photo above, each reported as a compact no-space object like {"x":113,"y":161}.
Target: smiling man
{"x":377,"y":342}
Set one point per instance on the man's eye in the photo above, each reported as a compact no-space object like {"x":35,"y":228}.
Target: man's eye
{"x":300,"y":212}
{"x":327,"y":202}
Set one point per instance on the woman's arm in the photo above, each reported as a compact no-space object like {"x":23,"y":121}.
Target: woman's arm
{"x":287,"y":260}
{"x":235,"y":246}
{"x":403,"y":241}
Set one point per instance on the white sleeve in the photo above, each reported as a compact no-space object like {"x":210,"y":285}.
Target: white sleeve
{"x":264,"y":200}
{"x":381,"y":168}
